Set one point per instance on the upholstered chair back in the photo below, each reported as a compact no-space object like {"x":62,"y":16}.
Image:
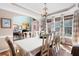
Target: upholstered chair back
{"x":10,"y":46}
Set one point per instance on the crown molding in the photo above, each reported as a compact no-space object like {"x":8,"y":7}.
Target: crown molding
{"x":63,"y":10}
{"x":17,"y":5}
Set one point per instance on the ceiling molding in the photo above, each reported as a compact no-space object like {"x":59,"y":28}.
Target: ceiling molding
{"x":63,"y":10}
{"x":17,"y":5}
{"x":26,"y":11}
{"x":14,"y":9}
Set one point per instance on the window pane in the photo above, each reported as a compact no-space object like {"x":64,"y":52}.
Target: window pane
{"x":68,"y":23}
{"x":68,"y":31}
{"x":57,"y":26}
{"x":68,"y":27}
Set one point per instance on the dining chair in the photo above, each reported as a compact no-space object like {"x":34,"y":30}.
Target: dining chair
{"x":56,"y":43}
{"x":10,"y":44}
{"x":45,"y":47}
{"x":16,"y":51}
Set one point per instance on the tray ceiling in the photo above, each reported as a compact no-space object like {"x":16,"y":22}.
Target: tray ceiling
{"x":35,"y":9}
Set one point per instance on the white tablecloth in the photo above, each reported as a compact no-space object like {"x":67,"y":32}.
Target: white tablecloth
{"x":29,"y":44}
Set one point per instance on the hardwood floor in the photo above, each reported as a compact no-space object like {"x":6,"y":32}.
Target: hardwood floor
{"x":6,"y":53}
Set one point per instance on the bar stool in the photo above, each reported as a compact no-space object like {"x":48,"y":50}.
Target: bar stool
{"x":24,"y":34}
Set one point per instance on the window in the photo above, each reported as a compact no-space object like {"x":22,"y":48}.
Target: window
{"x":57,"y":24}
{"x":68,"y":27}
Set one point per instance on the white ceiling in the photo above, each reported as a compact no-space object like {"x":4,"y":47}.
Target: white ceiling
{"x":52,"y":7}
{"x":34,"y":9}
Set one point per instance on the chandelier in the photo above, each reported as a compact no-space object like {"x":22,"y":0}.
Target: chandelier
{"x":44,"y":18}
{"x":44,"y":12}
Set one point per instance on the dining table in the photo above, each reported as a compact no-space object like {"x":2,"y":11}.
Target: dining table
{"x":31,"y":45}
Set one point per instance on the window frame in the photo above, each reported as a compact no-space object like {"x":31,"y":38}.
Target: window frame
{"x":68,"y":17}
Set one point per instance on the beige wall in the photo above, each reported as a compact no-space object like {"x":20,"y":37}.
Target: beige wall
{"x":5,"y":31}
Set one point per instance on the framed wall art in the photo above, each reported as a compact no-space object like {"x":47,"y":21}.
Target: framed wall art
{"x":5,"y":23}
